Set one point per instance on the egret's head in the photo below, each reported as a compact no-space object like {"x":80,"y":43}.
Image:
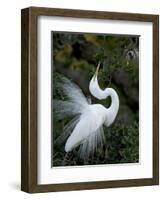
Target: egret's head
{"x":97,"y":69}
{"x":93,"y":85}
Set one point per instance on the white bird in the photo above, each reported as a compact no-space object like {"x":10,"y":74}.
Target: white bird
{"x":86,"y":127}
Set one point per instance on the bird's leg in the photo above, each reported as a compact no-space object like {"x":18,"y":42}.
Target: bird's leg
{"x":75,"y":152}
{"x":65,"y":158}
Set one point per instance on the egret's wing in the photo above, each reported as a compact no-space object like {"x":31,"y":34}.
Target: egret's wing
{"x":73,"y":92}
{"x":90,"y":144}
{"x":72,"y":107}
{"x":63,"y":109}
{"x":67,"y":130}
{"x":88,"y":133}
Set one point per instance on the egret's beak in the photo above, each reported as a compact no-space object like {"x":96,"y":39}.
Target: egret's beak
{"x":97,"y":69}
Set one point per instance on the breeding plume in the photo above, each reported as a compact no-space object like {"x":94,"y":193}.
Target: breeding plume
{"x":85,"y":129}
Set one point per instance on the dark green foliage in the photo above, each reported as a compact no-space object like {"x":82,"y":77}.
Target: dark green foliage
{"x":76,"y":57}
{"x":122,"y":143}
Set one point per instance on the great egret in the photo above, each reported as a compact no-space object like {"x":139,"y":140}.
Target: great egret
{"x":86,"y":127}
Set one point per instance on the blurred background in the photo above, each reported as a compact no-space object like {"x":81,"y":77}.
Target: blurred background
{"x":76,"y":56}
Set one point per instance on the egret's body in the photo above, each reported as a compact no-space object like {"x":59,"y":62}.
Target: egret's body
{"x":91,"y":120}
{"x":86,"y":129}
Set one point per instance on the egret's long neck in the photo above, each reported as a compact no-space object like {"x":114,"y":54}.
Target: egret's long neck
{"x":113,"y":109}
{"x":114,"y":98}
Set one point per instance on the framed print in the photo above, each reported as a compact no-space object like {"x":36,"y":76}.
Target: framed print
{"x":90,"y":99}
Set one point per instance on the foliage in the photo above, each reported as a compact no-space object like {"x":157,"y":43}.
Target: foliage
{"x":76,"y":57}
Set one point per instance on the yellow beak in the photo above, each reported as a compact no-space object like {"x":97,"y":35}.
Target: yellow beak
{"x":97,"y":69}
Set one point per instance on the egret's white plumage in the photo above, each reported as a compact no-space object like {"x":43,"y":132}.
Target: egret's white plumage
{"x":86,"y":127}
